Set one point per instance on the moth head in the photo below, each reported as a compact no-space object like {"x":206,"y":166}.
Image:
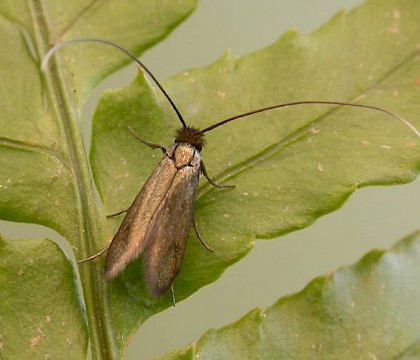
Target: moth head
{"x":190,"y":135}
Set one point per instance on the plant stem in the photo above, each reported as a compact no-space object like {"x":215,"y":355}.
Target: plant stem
{"x":60,"y":104}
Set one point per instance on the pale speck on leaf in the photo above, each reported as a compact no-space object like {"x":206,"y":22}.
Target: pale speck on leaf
{"x":359,"y":340}
{"x":34,"y":342}
{"x":39,"y":330}
{"x":221,"y":94}
{"x":320,"y":167}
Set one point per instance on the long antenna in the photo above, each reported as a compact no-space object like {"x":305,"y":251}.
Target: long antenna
{"x":55,"y":48}
{"x":307,"y":102}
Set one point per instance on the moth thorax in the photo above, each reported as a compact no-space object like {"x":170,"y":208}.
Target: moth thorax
{"x":186,"y":155}
{"x":191,"y":136}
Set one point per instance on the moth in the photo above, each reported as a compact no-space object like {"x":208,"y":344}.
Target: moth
{"x":159,"y":220}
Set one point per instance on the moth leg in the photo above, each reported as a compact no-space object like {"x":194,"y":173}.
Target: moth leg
{"x":116,"y":214}
{"x":149,"y":144}
{"x":92,"y":257}
{"x":173,"y":295}
{"x":204,"y":171}
{"x":199,"y":237}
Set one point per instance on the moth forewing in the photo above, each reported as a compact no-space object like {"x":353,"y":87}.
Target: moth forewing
{"x":173,"y":220}
{"x":130,"y":239}
{"x":158,"y":222}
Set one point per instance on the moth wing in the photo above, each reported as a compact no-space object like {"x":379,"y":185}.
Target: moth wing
{"x":169,"y":232}
{"x":131,"y":238}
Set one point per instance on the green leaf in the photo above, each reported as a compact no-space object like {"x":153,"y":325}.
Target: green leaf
{"x":44,"y":176}
{"x":40,"y":313}
{"x":289,"y":166}
{"x":368,"y":310}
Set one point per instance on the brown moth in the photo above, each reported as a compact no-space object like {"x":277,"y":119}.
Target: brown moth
{"x":158,"y":222}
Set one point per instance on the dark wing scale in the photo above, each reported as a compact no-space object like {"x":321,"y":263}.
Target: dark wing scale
{"x":131,"y":240}
{"x":169,"y":232}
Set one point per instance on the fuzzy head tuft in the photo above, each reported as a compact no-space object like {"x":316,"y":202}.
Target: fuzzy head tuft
{"x":190,"y":136}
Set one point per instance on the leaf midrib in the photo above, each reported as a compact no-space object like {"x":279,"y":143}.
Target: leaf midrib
{"x":100,"y":333}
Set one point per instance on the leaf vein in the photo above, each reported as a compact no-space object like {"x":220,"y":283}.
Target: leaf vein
{"x":78,"y":16}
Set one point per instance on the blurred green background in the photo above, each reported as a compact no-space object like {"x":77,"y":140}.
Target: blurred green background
{"x":375,"y":217}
